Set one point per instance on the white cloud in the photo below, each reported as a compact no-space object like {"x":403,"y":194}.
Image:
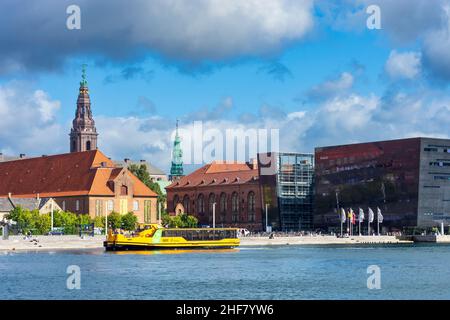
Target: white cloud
{"x":28,"y":125}
{"x":405,"y":65}
{"x":27,"y":121}
{"x":331,"y":87}
{"x":188,"y":31}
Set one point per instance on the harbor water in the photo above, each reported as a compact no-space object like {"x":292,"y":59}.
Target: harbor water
{"x":282,"y":272}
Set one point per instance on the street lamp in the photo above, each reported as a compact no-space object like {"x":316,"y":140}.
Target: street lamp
{"x":51,"y":210}
{"x":159,"y":212}
{"x":214,"y":214}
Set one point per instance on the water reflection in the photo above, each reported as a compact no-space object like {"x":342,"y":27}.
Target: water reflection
{"x":172,"y":251}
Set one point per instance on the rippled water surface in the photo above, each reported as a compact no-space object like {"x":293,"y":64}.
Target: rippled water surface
{"x":288,"y":272}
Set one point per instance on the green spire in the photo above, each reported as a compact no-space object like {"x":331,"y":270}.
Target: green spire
{"x":83,"y":82}
{"x":176,"y":170}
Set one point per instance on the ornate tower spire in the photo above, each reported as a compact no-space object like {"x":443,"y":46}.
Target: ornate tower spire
{"x":83,"y":135}
{"x":176,"y":170}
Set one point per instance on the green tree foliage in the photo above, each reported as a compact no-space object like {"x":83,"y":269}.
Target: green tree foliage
{"x":99,"y":222}
{"x":66,"y":220}
{"x":115,"y":220}
{"x":23,"y":218}
{"x":42,"y":223}
{"x":180,"y":221}
{"x":36,"y":223}
{"x":129,"y":221}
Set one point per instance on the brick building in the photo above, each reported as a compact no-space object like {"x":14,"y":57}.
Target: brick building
{"x":81,"y":182}
{"x":408,"y":179}
{"x":234,"y":187}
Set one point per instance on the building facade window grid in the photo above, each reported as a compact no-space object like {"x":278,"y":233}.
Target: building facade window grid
{"x":98,"y":208}
{"x":295,"y":187}
{"x":251,"y":207}
{"x":201,"y":204}
{"x":235,"y":207}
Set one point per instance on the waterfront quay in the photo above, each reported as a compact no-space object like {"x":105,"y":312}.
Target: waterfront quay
{"x":43,"y":243}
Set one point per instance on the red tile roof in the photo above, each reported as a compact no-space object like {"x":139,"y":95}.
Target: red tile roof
{"x":69,"y":174}
{"x":218,"y":173}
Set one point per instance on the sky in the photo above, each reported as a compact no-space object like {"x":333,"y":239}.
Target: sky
{"x":311,"y":69}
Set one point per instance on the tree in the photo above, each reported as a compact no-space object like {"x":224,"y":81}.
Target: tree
{"x":140,"y":171}
{"x":99,"y":222}
{"x":42,"y":223}
{"x":180,"y":221}
{"x":36,"y":223}
{"x":23,"y":218}
{"x":129,"y":221}
{"x":115,"y":220}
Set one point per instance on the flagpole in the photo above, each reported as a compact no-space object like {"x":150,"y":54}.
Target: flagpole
{"x":339,"y":212}
{"x":348,"y":225}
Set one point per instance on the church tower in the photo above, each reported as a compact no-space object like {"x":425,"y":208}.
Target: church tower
{"x":83,"y":135}
{"x":176,"y":170}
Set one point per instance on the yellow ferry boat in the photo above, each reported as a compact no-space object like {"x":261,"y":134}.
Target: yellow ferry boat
{"x":153,"y":236}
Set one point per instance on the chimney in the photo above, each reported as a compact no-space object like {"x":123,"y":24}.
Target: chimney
{"x":37,"y":197}
{"x":22,"y":155}
{"x":142,"y":161}
{"x":126,"y":160}
{"x":1,"y":156}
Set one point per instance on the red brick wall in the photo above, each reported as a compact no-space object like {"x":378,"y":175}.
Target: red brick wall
{"x":206,"y":218}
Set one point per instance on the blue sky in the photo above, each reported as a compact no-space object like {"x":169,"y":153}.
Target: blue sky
{"x":311,"y":69}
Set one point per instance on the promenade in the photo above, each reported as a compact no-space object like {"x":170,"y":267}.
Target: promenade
{"x":39,"y":243}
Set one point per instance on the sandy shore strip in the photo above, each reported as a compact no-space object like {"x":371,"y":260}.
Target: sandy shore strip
{"x":39,"y":243}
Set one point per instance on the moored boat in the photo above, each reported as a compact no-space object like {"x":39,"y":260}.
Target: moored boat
{"x":153,"y":236}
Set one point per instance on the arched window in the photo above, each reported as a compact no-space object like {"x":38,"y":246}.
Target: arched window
{"x":211,"y":200}
{"x":123,"y":190}
{"x":74,"y":145}
{"x":176,"y":200}
{"x":223,"y":207}
{"x":235,"y":207}
{"x":186,"y":204}
{"x":88,"y":145}
{"x":251,"y":206}
{"x":223,"y":203}
{"x":201,"y":204}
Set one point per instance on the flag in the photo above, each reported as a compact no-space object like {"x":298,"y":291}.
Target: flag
{"x":343,"y":217}
{"x":361,"y":215}
{"x":379,"y":215}
{"x":353,"y":217}
{"x":371,"y":215}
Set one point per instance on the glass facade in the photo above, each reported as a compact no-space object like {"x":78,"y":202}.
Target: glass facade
{"x":288,"y":188}
{"x":384,"y":174}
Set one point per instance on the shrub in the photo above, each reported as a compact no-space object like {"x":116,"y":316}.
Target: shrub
{"x":129,"y":221}
{"x":115,"y":220}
